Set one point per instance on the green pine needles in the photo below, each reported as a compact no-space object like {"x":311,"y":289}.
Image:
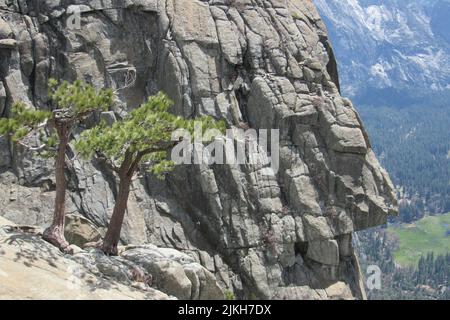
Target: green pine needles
{"x":143,"y":137}
{"x":79,"y":98}
{"x":23,"y":120}
{"x":73,"y":102}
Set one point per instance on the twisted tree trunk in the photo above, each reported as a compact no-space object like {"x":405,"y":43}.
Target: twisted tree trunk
{"x":112,"y":237}
{"x":55,"y":233}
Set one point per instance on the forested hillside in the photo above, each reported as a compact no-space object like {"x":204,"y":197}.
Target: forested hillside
{"x":427,"y":279}
{"x":414,"y":145}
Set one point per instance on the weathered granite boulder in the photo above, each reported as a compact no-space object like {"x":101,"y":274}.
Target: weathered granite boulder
{"x":80,"y":231}
{"x":32,"y":269}
{"x":176,"y":273}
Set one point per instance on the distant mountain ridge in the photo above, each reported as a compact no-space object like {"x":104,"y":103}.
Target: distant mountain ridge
{"x":390,"y":51}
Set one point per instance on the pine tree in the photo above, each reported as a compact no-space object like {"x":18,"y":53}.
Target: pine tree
{"x":142,"y":139}
{"x":72,"y":103}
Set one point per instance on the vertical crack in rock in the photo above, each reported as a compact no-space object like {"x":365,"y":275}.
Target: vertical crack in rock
{"x":265,"y":62}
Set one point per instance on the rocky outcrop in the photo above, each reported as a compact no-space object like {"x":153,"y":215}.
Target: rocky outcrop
{"x":31,"y":268}
{"x":266,"y":64}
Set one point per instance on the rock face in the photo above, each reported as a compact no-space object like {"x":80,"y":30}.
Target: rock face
{"x":267,"y":64}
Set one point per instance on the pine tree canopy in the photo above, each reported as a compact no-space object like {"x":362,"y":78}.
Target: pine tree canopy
{"x":73,"y":102}
{"x":144,"y":136}
{"x":23,"y":120}
{"x":79,"y":98}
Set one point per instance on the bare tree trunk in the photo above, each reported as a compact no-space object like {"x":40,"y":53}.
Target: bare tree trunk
{"x":55,"y":233}
{"x":115,"y":226}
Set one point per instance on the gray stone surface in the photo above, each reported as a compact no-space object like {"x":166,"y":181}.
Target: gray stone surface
{"x":265,"y":63}
{"x":80,"y":231}
{"x":32,"y":269}
{"x":176,"y":273}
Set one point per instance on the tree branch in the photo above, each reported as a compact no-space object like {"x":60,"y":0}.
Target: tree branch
{"x":103,"y":158}
{"x":129,"y":80}
{"x":30,"y":130}
{"x":159,"y":148}
{"x":34,"y":149}
{"x":126,"y":166}
{"x":143,"y":153}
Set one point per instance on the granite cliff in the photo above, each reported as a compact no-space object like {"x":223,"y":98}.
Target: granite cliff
{"x":266,"y":64}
